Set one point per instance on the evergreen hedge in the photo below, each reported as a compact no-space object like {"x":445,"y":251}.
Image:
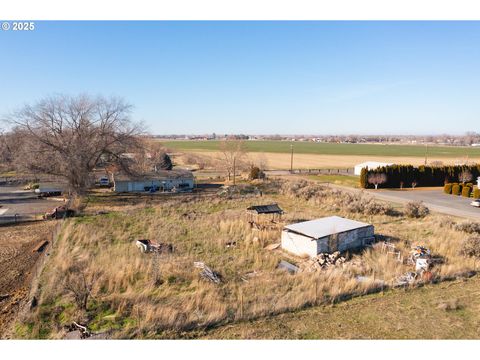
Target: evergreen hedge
{"x":363,"y":178}
{"x":423,"y":175}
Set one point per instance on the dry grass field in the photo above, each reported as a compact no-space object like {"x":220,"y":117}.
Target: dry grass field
{"x":136,"y":295}
{"x":278,"y":161}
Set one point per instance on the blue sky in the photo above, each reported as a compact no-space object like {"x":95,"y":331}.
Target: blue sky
{"x":258,"y":77}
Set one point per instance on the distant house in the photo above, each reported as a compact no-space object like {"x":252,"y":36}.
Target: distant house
{"x":163,"y":180}
{"x":370,"y":165}
{"x":326,"y":235}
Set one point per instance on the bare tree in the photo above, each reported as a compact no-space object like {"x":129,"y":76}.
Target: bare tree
{"x":377,"y":179}
{"x":233,"y":154}
{"x":80,"y":282}
{"x":158,"y":156}
{"x":68,"y":136}
{"x":414,"y":184}
{"x":465,"y":176}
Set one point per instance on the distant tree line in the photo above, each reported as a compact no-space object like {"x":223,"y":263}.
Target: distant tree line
{"x":399,"y":176}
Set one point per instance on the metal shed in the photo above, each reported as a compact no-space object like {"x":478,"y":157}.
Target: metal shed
{"x":326,"y":235}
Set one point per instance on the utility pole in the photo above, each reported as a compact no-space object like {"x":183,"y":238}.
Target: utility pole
{"x":291,"y":159}
{"x":234,"y":171}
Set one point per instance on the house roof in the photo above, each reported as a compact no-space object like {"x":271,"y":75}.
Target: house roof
{"x":373,"y":164}
{"x":266,"y":209}
{"x":159,"y":175}
{"x":319,"y":228}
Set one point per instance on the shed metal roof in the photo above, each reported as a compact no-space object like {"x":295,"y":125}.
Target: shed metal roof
{"x":159,"y":175}
{"x":373,"y":164}
{"x":266,"y":209}
{"x":319,"y":228}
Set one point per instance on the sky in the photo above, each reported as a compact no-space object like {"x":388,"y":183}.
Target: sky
{"x":322,"y":77}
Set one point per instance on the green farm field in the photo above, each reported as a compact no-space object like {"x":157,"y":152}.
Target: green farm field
{"x":331,"y":148}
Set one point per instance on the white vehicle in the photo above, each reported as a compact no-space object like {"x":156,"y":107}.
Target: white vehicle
{"x":475,"y":203}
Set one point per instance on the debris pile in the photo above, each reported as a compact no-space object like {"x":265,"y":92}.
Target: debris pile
{"x":146,"y":245}
{"x":406,"y":279}
{"x":207,"y":273}
{"x":420,"y":257}
{"x":323,"y":261}
{"x":419,"y":252}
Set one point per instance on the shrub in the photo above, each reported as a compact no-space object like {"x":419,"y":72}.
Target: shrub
{"x":466,"y":191}
{"x":416,"y":209}
{"x":447,"y":189}
{"x":456,"y":189}
{"x":476,"y":193}
{"x":362,"y":204}
{"x":468,"y":227}
{"x":256,"y":173}
{"x":471,"y":247}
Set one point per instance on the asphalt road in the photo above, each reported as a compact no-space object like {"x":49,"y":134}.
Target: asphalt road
{"x":434,"y":199}
{"x":15,"y":200}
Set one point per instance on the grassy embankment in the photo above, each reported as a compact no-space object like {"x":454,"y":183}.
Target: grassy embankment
{"x":137,"y":295}
{"x":450,"y":310}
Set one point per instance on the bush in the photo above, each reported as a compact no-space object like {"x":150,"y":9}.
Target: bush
{"x":256,"y":173}
{"x":476,"y":193}
{"x":447,"y":189}
{"x":466,"y":191}
{"x":468,"y":227}
{"x":361,"y":204}
{"x":416,"y":209}
{"x":456,"y":189}
{"x":471,"y":247}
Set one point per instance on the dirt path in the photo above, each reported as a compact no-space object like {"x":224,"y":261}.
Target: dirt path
{"x":17,"y":262}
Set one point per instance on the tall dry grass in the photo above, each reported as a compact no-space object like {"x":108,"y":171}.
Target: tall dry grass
{"x":139,"y":295}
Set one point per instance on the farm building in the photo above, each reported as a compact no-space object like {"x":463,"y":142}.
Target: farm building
{"x":260,"y":215}
{"x":326,"y":235}
{"x":164,"y":180}
{"x":370,"y":165}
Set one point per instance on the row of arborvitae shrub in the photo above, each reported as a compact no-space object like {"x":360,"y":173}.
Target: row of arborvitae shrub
{"x":404,"y":175}
{"x":462,"y":189}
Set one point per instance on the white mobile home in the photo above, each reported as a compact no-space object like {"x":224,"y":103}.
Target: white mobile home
{"x":326,"y":235}
{"x":370,"y":165}
{"x":164,"y":180}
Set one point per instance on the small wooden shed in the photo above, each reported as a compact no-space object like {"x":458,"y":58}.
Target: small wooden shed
{"x":264,"y":214}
